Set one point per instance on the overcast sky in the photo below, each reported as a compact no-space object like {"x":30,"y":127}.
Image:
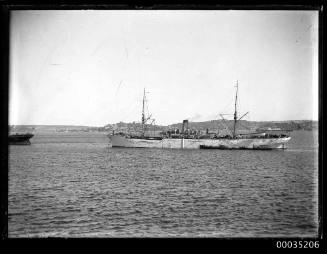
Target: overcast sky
{"x":90,"y":67}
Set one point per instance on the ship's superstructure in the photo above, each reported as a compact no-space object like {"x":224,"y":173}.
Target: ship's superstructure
{"x":195,"y":140}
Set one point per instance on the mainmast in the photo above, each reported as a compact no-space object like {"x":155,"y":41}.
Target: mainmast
{"x":143,"y":113}
{"x":235,"y":112}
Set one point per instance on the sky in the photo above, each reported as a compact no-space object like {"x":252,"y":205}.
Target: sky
{"x":89,"y":67}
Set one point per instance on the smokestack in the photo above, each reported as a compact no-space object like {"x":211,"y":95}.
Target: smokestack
{"x":185,"y":126}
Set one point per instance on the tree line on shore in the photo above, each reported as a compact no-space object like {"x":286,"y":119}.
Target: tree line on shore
{"x":214,"y":125}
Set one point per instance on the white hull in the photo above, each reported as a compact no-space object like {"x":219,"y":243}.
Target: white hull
{"x":256,"y":143}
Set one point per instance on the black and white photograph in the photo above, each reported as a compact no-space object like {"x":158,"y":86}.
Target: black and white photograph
{"x":163,"y":123}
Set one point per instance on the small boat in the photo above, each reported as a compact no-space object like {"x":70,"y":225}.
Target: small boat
{"x":20,"y":139}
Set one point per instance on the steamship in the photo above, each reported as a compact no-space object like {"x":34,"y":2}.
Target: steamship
{"x":188,"y":140}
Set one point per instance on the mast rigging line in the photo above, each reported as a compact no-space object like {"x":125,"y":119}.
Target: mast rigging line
{"x":228,"y":104}
{"x":244,"y":126}
{"x":144,"y":117}
{"x":226,"y":125}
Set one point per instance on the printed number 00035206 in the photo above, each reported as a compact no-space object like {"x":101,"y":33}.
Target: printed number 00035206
{"x":298,"y":244}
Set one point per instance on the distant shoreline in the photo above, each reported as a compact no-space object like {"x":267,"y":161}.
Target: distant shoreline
{"x":213,"y":125}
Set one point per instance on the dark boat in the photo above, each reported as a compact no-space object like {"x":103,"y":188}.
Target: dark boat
{"x":20,"y":139}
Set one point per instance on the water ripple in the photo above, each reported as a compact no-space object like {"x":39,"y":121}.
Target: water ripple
{"x":85,"y":189}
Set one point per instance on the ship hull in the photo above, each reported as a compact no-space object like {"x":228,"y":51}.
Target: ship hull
{"x":255,"y":144}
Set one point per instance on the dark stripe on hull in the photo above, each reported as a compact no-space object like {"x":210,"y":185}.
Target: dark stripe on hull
{"x":240,"y":148}
{"x":25,"y":142}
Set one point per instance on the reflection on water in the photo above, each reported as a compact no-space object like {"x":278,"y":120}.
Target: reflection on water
{"x":77,"y":185}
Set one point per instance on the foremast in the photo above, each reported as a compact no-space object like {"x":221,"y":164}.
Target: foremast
{"x":235,"y":111}
{"x":143,"y":114}
{"x":144,"y":117}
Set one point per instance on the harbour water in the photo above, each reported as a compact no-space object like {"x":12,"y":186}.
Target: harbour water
{"x":76,"y":185}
